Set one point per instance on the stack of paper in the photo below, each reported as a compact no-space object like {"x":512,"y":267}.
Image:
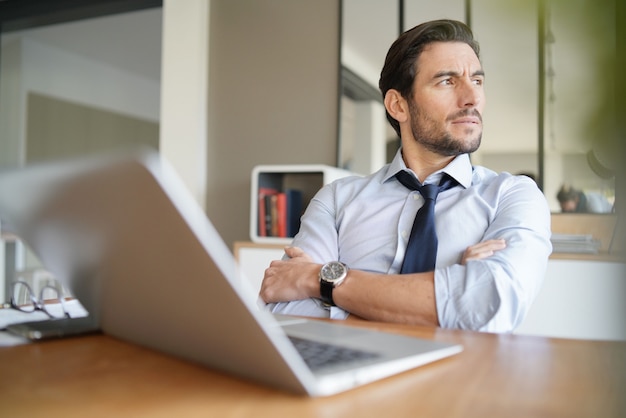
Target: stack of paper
{"x":574,"y":243}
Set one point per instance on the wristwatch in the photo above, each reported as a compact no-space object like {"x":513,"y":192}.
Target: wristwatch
{"x":331,"y":275}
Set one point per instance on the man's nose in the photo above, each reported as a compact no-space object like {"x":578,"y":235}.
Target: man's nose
{"x":471,"y":94}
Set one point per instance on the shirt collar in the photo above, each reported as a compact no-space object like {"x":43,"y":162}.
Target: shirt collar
{"x":460,"y":169}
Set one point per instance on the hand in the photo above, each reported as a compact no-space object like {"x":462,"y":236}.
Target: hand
{"x":482,"y":250}
{"x":292,"y":279}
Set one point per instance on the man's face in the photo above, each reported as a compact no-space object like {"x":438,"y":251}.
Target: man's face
{"x":448,"y":99}
{"x":569,"y":205}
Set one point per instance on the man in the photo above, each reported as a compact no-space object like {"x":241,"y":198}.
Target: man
{"x":573,"y":200}
{"x":493,"y":229}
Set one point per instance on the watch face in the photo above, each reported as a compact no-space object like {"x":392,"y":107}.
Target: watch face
{"x":333,"y":271}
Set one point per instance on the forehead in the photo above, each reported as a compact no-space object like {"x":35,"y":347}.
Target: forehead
{"x":447,"y":56}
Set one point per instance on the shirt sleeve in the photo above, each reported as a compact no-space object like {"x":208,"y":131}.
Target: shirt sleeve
{"x":317,"y":237}
{"x":596,"y":203}
{"x":495,"y":294}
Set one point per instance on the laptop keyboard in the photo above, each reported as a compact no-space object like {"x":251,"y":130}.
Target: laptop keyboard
{"x":319,"y":355}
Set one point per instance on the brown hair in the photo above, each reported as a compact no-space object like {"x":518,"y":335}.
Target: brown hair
{"x":567,"y":193}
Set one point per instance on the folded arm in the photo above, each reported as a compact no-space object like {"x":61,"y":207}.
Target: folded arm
{"x":403,"y":298}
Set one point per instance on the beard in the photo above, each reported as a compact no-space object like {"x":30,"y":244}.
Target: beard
{"x":435,"y":138}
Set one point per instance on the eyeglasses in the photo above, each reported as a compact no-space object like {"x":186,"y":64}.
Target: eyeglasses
{"x":50,"y":301}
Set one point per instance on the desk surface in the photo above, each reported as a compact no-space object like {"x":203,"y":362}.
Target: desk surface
{"x":496,"y":375}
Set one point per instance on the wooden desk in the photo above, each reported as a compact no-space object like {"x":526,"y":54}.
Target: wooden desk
{"x":496,"y":376}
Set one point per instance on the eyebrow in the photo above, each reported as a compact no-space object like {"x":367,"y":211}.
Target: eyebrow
{"x":457,"y":74}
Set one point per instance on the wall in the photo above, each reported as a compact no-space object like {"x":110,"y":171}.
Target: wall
{"x":580,"y":299}
{"x":29,"y":66}
{"x":273,"y":82}
{"x":61,"y":129}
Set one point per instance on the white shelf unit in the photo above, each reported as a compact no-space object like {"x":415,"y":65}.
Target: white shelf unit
{"x":308,"y":178}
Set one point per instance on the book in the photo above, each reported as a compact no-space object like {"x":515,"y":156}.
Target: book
{"x":281,"y":212}
{"x":264,"y":215}
{"x":294,"y":203}
{"x":273,"y":210}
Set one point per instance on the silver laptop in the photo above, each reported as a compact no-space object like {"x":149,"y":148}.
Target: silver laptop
{"x":123,"y":233}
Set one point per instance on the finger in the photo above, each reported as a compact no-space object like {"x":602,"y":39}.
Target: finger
{"x":479,"y":255}
{"x":297,"y":254}
{"x":493,"y":244}
{"x":483,"y":250}
{"x":496,"y":243}
{"x":486,"y":247}
{"x":294,"y":251}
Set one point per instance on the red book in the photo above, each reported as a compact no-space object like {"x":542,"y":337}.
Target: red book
{"x":281,"y":214}
{"x":273,"y":210}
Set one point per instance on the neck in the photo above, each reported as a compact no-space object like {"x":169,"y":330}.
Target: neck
{"x":423,"y":162}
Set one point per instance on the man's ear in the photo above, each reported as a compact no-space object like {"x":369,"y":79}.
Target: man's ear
{"x":396,"y":105}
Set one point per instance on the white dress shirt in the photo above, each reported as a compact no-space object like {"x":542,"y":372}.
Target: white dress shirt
{"x":365,"y":222}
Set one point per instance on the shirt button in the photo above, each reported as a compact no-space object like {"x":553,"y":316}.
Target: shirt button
{"x":416,"y":196}
{"x":405,"y":234}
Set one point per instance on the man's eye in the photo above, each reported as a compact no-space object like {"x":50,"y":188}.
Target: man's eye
{"x":446,"y":82}
{"x":478,"y":81}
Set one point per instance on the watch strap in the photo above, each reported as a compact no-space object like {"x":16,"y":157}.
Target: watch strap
{"x":326,"y":292}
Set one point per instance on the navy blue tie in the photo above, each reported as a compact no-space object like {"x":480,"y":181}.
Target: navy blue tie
{"x":421,"y":251}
